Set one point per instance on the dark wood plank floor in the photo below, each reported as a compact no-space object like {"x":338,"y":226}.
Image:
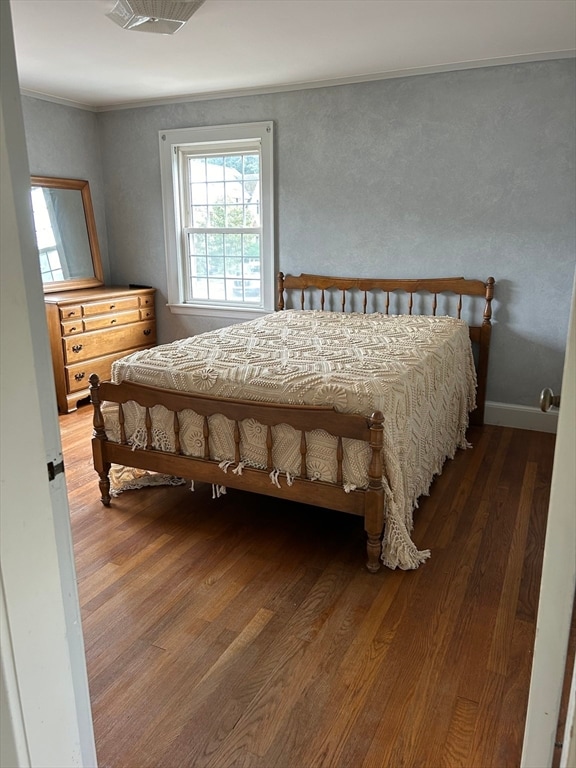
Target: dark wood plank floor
{"x":244,"y":631}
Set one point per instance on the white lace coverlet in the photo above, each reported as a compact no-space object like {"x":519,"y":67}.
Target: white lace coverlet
{"x":418,"y":370}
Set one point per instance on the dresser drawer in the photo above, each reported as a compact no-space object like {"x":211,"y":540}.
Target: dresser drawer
{"x":70,"y":327}
{"x":67,"y":312}
{"x":111,"y":319}
{"x":119,"y":304}
{"x":147,"y":300}
{"x":78,"y":376}
{"x":107,"y":341}
{"x":147,"y":313}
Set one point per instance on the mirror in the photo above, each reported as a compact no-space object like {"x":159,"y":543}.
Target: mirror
{"x":66,"y":234}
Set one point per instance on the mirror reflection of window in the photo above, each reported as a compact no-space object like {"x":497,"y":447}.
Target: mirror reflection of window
{"x":48,"y":247}
{"x":66,"y":236}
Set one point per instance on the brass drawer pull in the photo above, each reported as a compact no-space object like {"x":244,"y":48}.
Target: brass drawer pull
{"x":112,"y":306}
{"x":77,"y":347}
{"x":72,"y":329}
{"x":71,"y":314}
{"x":147,"y":331}
{"x":79,"y":376}
{"x":112,"y":321}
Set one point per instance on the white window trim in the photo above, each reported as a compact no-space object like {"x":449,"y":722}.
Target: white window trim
{"x":214,"y":135}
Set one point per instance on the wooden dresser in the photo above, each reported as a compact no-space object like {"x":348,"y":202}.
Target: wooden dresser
{"x":90,"y":329}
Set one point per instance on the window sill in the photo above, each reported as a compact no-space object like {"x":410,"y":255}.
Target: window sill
{"x":231,"y":313}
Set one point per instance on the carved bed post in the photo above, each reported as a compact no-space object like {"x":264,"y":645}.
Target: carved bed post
{"x":280,"y":288}
{"x":374,"y":504}
{"x":98,"y":439}
{"x":487,"y":317}
{"x":483,"y":351}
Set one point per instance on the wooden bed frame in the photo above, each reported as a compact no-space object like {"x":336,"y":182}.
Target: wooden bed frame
{"x":323,"y":293}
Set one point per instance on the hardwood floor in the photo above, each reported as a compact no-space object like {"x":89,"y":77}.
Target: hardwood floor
{"x":245,"y":631}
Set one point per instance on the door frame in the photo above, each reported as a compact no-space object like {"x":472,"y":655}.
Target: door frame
{"x":558,"y":583}
{"x":45,"y":716}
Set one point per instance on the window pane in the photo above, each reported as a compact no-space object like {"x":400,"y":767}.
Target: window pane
{"x":251,"y":190}
{"x":44,"y":234}
{"x":234,"y":290}
{"x":234,"y":162}
{"x":216,"y":192}
{"x":234,"y":192}
{"x":44,"y":263}
{"x":54,"y":259}
{"x":45,"y":237}
{"x":216,"y":266}
{"x":233,"y":245}
{"x":233,"y":267}
{"x":198,"y":266}
{"x":197,"y":243}
{"x":199,"y":288}
{"x":251,"y":165}
{"x":251,"y":268}
{"x":252,"y":290}
{"x":234,"y":216}
{"x":215,"y":168}
{"x":251,"y":246}
{"x":197,"y":168}
{"x":216,"y":289}
{"x":215,"y":245}
{"x":252,"y":216}
{"x":198,"y":193}
{"x":199,"y":216}
{"x":217,"y":217}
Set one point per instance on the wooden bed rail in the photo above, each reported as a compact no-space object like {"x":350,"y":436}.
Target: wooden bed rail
{"x":368,"y":503}
{"x":315,"y":288}
{"x":301,"y":417}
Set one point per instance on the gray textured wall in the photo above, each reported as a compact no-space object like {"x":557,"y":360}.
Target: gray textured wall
{"x":464,"y":173}
{"x":64,"y":141}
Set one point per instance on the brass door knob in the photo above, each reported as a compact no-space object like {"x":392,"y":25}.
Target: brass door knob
{"x":548,"y":399}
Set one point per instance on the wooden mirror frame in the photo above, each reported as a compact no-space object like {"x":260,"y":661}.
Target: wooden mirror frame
{"x":97,"y":279}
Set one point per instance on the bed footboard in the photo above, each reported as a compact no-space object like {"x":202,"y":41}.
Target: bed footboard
{"x":367,"y":502}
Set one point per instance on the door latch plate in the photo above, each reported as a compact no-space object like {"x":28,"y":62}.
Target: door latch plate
{"x":54,"y":469}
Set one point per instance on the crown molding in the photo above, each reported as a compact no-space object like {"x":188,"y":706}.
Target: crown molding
{"x":261,"y":91}
{"x":58,"y":100}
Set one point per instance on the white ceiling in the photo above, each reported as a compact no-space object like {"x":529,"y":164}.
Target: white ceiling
{"x":70,"y":50}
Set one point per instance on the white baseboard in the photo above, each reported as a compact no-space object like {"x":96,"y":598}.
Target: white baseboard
{"x":520,"y":417}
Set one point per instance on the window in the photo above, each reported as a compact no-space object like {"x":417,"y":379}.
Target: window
{"x":218,"y":218}
{"x":48,"y":247}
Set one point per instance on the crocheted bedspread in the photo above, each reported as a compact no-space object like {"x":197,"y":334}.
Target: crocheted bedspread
{"x":418,"y":370}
